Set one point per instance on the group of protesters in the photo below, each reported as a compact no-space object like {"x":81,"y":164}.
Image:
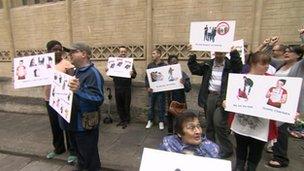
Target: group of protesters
{"x":184,"y":130}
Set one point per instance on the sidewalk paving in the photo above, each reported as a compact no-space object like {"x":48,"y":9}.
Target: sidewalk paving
{"x":26,"y":139}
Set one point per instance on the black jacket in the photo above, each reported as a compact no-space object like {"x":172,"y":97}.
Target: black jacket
{"x":234,"y":65}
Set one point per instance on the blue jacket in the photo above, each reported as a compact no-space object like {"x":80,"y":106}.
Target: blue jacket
{"x":88,"y":98}
{"x":207,"y":148}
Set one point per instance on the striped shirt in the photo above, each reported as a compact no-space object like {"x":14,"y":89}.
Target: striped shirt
{"x":216,"y":76}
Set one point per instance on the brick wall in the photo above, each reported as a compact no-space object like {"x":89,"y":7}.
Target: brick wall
{"x":109,"y":21}
{"x":4,"y":39}
{"x":103,"y":22}
{"x":282,"y":17}
{"x":34,"y":25}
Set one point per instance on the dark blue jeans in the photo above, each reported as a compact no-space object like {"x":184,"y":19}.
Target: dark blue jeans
{"x":158,"y":99}
{"x":87,"y":150}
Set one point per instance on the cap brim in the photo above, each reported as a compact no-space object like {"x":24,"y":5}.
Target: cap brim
{"x":66,"y":49}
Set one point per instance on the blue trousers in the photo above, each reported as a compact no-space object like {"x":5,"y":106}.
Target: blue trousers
{"x":158,"y":99}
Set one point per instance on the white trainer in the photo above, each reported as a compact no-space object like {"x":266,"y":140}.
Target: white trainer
{"x":149,"y":124}
{"x":161,"y":125}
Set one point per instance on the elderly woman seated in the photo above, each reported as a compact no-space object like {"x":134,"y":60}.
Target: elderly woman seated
{"x":188,"y":138}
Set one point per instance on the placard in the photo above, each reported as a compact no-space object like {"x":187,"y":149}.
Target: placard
{"x":61,"y":97}
{"x":32,"y":71}
{"x":267,"y":97}
{"x":212,"y":35}
{"x":165,"y":78}
{"x":151,"y":161}
{"x":119,"y":67}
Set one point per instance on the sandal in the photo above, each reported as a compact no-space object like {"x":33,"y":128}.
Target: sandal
{"x":275,"y":164}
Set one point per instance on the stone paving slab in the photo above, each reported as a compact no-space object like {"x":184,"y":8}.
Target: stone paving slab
{"x":120,"y":149}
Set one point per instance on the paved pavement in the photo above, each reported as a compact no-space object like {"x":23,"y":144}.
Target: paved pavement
{"x":26,"y":139}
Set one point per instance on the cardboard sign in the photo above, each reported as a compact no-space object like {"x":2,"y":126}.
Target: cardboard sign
{"x":32,"y":71}
{"x":61,"y":96}
{"x":212,"y":35}
{"x":165,"y":78}
{"x":267,"y":97}
{"x":153,"y":160}
{"x":119,"y":67}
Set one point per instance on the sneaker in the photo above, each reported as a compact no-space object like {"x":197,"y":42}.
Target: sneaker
{"x":149,"y":124}
{"x":161,"y":125}
{"x":72,"y":159}
{"x":51,"y":155}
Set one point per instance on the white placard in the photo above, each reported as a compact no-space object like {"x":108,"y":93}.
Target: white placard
{"x":165,"y":78}
{"x":212,"y":35}
{"x":153,"y":160}
{"x":261,"y":96}
{"x":32,"y":71}
{"x":119,"y":67}
{"x":61,"y":96}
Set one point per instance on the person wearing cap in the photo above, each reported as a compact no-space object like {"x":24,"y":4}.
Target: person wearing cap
{"x":213,"y":92}
{"x":123,"y":92}
{"x":88,"y":97}
{"x":64,"y":66}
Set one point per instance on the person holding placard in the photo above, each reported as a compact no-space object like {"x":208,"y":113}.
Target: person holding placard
{"x":64,"y":66}
{"x":157,"y":97}
{"x":88,"y":96}
{"x":178,"y":95}
{"x":123,"y":92}
{"x":293,"y":53}
{"x":213,"y":92}
{"x":252,"y":133}
{"x":188,"y":138}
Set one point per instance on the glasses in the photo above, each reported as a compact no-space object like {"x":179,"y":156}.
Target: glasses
{"x":193,"y":127}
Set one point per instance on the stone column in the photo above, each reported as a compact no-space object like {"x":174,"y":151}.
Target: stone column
{"x":69,"y":21}
{"x":8,"y":26}
{"x":149,"y":30}
{"x":257,"y":21}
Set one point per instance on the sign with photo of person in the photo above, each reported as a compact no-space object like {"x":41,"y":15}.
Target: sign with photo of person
{"x":212,"y":35}
{"x":119,"y":67}
{"x":165,"y":78}
{"x":32,"y":71}
{"x":267,"y":97}
{"x":179,"y":162}
{"x":61,"y":96}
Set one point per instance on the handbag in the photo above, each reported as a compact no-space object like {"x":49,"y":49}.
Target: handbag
{"x":90,"y":120}
{"x":176,"y":108}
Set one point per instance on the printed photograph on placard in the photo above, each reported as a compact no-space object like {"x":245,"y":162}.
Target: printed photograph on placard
{"x":119,"y":67}
{"x":32,"y":71}
{"x":212,"y":35}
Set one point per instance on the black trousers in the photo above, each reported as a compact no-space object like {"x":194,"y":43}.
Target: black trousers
{"x":86,"y":143}
{"x":58,"y":133}
{"x":281,"y":146}
{"x":248,"y":150}
{"x":217,"y":125}
{"x":123,"y":101}
{"x":170,"y":119}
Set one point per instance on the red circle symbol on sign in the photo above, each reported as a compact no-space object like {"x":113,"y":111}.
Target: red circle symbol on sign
{"x":222,"y":28}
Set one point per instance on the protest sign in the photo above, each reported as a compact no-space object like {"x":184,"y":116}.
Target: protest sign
{"x":151,"y":160}
{"x":119,"y":67}
{"x":165,"y":78}
{"x":212,"y":35}
{"x":61,"y":96}
{"x":267,"y":97}
{"x":32,"y":71}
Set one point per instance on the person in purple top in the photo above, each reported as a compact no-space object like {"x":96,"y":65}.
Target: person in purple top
{"x":188,"y":138}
